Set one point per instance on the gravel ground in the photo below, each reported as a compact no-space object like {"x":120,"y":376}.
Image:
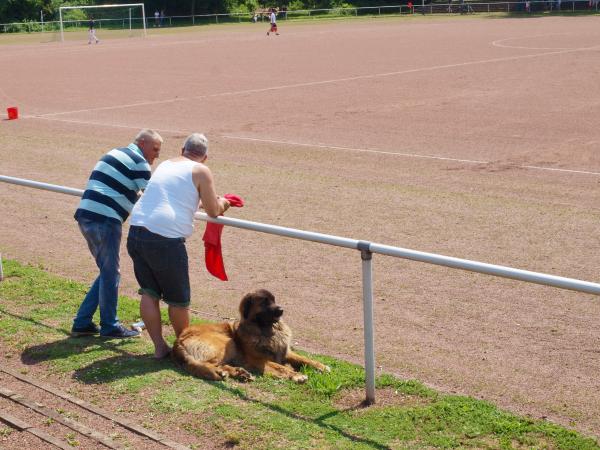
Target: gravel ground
{"x":471,"y":138}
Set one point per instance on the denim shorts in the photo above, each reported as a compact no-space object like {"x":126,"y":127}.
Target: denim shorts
{"x":160,"y":265}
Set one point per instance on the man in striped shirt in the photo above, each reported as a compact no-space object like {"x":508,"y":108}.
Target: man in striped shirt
{"x":112,"y":189}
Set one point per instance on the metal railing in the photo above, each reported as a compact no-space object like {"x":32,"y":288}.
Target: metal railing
{"x":366,"y":249}
{"x":419,"y":7}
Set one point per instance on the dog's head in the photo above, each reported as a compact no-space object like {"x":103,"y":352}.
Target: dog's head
{"x":260,"y":307}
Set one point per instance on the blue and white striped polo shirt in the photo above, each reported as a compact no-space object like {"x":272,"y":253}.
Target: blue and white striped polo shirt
{"x":113,"y":187}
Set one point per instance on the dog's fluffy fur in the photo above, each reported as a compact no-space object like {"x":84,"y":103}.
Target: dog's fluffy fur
{"x":258,"y":343}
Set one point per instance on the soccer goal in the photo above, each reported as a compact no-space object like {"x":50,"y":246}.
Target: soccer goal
{"x":109,"y":20}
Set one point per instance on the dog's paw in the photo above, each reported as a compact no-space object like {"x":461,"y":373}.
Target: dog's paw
{"x":223,"y":374}
{"x":322,"y":368}
{"x":244,"y":376}
{"x":299,"y":378}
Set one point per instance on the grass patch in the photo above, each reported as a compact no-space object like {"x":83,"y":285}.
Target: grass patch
{"x":36,"y":310}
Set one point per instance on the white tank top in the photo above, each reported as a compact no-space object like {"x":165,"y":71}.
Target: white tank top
{"x":169,"y":202}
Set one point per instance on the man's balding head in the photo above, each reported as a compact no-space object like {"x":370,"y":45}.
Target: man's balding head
{"x":149,"y":142}
{"x":196,"y":147}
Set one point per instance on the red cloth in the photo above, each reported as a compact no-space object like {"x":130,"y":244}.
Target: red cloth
{"x":234,"y":200}
{"x":213,"y":257}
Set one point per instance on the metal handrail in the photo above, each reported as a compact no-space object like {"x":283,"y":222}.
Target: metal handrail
{"x":367,"y":249}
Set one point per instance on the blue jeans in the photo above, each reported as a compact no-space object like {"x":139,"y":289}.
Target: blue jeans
{"x":104,"y":240}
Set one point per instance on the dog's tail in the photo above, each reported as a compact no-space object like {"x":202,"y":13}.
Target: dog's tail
{"x":201,"y":369}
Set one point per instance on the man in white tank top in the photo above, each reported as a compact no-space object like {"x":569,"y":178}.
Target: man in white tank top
{"x":160,"y":222}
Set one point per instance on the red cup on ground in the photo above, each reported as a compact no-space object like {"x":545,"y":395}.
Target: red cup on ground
{"x":13,"y":113}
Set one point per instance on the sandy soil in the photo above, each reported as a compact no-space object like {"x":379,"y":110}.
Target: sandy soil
{"x":471,"y":138}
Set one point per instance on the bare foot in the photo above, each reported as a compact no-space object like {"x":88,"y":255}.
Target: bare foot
{"x":162,"y":353}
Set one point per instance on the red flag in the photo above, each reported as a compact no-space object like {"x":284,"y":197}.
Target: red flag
{"x":213,"y":257}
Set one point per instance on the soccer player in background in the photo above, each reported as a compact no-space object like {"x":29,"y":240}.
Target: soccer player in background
{"x":92,"y":32}
{"x":273,"y":28}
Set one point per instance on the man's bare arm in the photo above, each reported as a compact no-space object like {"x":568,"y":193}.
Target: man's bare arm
{"x":211,"y":203}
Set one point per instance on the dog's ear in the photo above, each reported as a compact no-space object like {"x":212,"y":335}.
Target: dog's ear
{"x":245,"y":305}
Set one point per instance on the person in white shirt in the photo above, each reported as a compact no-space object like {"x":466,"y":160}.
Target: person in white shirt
{"x":273,"y":28}
{"x":161,"y":221}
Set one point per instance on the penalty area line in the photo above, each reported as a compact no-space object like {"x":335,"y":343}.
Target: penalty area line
{"x":405,"y":155}
{"x":555,"y":169}
{"x":362,"y":150}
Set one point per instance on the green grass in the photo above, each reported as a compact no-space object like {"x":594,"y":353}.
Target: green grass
{"x":36,"y":310}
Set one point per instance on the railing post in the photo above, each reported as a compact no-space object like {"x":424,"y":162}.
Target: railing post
{"x":367,"y":284}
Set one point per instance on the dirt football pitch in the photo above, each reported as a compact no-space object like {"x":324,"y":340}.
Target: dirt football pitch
{"x":476,"y":138}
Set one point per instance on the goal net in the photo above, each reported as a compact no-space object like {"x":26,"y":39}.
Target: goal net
{"x":109,"y":21}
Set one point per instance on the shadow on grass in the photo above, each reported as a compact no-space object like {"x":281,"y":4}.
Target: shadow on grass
{"x":318,"y":421}
{"x":119,"y":368}
{"x":102,"y":370}
{"x":128,"y":365}
{"x":65,"y":348}
{"x":35,"y":322}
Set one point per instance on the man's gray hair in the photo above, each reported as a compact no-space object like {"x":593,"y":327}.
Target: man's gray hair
{"x":148,"y":134}
{"x":196,"y":144}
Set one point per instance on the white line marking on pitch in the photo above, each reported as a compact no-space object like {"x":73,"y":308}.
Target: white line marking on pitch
{"x":100,"y":124}
{"x":333,"y":147}
{"x":363,"y":150}
{"x":561,"y":170}
{"x":406,"y":155}
{"x":499,"y":42}
{"x":324,"y":82}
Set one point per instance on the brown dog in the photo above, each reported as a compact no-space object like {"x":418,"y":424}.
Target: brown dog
{"x":259,"y":342}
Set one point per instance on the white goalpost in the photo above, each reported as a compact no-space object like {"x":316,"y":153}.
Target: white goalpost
{"x":128,"y":6}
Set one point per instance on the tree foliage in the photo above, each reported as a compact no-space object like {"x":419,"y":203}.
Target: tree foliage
{"x":29,"y":10}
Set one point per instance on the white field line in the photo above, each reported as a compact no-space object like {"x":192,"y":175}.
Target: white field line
{"x":102,"y":124}
{"x":324,"y":146}
{"x":324,"y":82}
{"x":406,"y":155}
{"x":586,"y":172}
{"x":362,"y":150}
{"x":500,"y":42}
